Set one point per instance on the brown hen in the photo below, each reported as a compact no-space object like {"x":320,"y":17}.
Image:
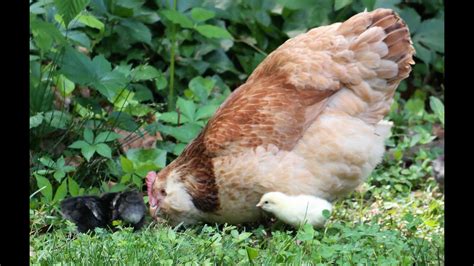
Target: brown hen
{"x":307,"y":121}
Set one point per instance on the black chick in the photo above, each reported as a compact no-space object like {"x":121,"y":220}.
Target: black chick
{"x":129,"y":207}
{"x":89,"y":212}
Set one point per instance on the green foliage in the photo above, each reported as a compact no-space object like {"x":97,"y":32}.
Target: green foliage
{"x":69,"y":10}
{"x":339,"y":243}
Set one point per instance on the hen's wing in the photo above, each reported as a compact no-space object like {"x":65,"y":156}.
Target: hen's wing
{"x":370,"y":54}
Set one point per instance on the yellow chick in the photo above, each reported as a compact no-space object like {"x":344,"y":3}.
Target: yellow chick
{"x":296,"y":210}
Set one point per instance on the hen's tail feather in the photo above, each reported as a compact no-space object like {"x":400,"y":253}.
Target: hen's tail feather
{"x":397,"y":40}
{"x":383,"y":49}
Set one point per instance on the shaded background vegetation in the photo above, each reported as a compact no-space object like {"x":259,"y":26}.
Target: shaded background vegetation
{"x":119,"y":87}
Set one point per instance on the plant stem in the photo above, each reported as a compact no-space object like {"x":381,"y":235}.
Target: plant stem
{"x":172,"y":58}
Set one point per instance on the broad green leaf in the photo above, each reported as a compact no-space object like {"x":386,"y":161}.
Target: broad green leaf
{"x":292,"y":4}
{"x":88,"y":135}
{"x":145,"y":72}
{"x":252,"y":253}
{"x":145,"y":168}
{"x":415,"y":107}
{"x":142,"y":93}
{"x":45,"y":34}
{"x":88,"y":151}
{"x":326,"y":214}
{"x":59,"y":175}
{"x":65,"y":86}
{"x":139,"y":110}
{"x":177,"y":18}
{"x":104,"y":150}
{"x":431,"y":34}
{"x":79,"y":37}
{"x":131,"y":3}
{"x":134,"y":31}
{"x":125,"y":178}
{"x":338,"y":4}
{"x":387,"y":4}
{"x":242,"y":236}
{"x":184,"y":133}
{"x":127,"y":165}
{"x":37,"y":8}
{"x":369,"y":4}
{"x":78,"y":67}
{"x":61,"y":192}
{"x":398,"y":154}
{"x":46,"y":161}
{"x":107,"y":136}
{"x":206,"y":112}
{"x":263,"y":18}
{"x":137,"y":180}
{"x":145,"y":156}
{"x":220,"y":62}
{"x":438,"y":108}
{"x":44,"y":172}
{"x":96,"y":73}
{"x":415,"y":139}
{"x":91,"y":21}
{"x":44,"y":184}
{"x":124,"y":99}
{"x":123,"y":121}
{"x":117,"y":188}
{"x":211,"y":31}
{"x":172,"y":118}
{"x":411,"y":17}
{"x":161,"y":82}
{"x":60,"y":163}
{"x":201,"y":87}
{"x":101,"y":66}
{"x":70,"y":9}
{"x":79,"y":144}
{"x":178,"y":148}
{"x":421,"y":52}
{"x":146,"y":16}
{"x":187,"y":108}
{"x":57,"y":119}
{"x":306,"y":233}
{"x":327,"y":251}
{"x":201,"y":14}
{"x":73,"y":187}
{"x":58,"y":18}
{"x":36,"y":120}
{"x":111,"y":84}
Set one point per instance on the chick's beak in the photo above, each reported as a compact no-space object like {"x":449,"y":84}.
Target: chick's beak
{"x":259,"y":205}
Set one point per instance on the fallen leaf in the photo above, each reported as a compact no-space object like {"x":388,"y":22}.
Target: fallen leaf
{"x":75,"y":160}
{"x":132,"y":140}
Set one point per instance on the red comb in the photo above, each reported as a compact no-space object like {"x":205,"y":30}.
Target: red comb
{"x":150,"y":178}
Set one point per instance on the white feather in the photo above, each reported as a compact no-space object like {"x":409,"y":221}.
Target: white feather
{"x":296,"y":210}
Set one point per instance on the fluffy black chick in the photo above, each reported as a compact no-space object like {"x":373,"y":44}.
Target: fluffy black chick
{"x":89,"y":212}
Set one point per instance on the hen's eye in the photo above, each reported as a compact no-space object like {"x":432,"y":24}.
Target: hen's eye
{"x":163,"y":192}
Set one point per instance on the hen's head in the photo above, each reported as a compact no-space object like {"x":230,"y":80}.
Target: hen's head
{"x":168,"y":197}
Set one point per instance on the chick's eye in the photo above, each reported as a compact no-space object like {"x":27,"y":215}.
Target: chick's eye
{"x":266,"y":202}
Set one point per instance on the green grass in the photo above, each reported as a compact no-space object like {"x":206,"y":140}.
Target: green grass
{"x":370,"y":227}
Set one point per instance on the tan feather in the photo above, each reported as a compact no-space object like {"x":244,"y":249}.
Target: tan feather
{"x":307,"y":121}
